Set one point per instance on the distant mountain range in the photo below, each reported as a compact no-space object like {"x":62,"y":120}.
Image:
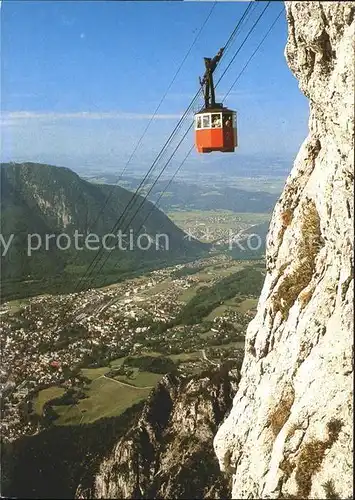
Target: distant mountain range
{"x":43,"y":200}
{"x":236,"y":165}
{"x":192,"y":196}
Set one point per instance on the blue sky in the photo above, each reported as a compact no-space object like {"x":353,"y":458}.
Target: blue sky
{"x":80,"y":80}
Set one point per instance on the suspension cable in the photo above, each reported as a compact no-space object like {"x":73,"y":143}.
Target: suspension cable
{"x":253,"y":53}
{"x":244,"y":41}
{"x":197,"y":95}
{"x":226,"y":95}
{"x":189,"y":128}
{"x":109,"y":195}
{"x":165,"y":166}
{"x":144,"y":200}
{"x":155,"y":112}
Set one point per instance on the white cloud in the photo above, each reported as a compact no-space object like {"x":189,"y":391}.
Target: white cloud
{"x":82,"y":138}
{"x":10,"y":117}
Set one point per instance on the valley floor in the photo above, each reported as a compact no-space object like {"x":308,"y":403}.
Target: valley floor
{"x":73,"y":359}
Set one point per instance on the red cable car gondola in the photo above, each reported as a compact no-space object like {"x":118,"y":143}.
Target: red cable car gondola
{"x":215,"y":125}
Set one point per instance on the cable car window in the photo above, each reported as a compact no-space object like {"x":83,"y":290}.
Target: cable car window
{"x":216,"y":120}
{"x":198,"y":122}
{"x":227,"y":121}
{"x":206,"y":121}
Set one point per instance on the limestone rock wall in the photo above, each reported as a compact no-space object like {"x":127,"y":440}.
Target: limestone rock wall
{"x":289,"y":434}
{"x":168,"y":451}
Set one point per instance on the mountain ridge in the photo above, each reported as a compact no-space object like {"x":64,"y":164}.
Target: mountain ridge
{"x":44,"y":200}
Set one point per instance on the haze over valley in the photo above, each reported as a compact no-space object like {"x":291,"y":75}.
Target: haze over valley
{"x":176,"y":250}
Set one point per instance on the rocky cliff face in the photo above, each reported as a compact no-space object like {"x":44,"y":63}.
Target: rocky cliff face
{"x":289,"y":434}
{"x":168,"y":451}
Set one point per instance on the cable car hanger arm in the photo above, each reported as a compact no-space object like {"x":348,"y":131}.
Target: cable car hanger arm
{"x":207,"y":81}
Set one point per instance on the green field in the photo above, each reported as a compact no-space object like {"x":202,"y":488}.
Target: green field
{"x":247,"y":304}
{"x":235,"y":345}
{"x":218,"y":311}
{"x":189,"y":293}
{"x":269,"y":185}
{"x":231,"y":304}
{"x":46,"y":395}
{"x":106,"y":398}
{"x":94,"y":373}
{"x":160,"y":287}
{"x":185,"y":356}
{"x":115,"y":362}
{"x":141,"y":379}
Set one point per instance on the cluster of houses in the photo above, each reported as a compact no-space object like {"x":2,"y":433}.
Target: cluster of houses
{"x":48,"y":341}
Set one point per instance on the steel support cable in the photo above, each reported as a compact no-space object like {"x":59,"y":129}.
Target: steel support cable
{"x":179,"y":125}
{"x":248,"y":13}
{"x":244,"y":41}
{"x":154,"y":183}
{"x":235,"y":81}
{"x":253,"y":53}
{"x":162,"y":151}
{"x":243,"y":19}
{"x":197,"y":95}
{"x":247,"y":16}
{"x":144,"y":199}
{"x":189,"y":152}
{"x":109,"y":195}
{"x":226,"y":95}
{"x":155,"y":112}
{"x":165,"y":166}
